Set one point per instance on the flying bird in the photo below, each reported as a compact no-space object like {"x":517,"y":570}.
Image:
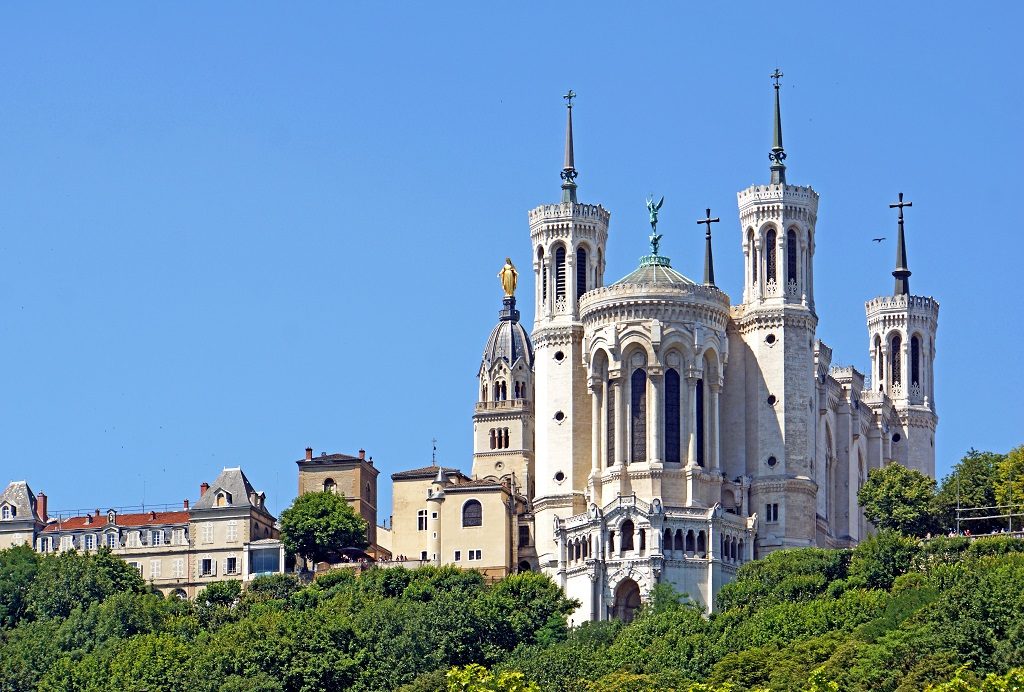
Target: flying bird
{"x":878,"y":240}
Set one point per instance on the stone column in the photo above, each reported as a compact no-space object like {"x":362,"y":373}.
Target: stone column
{"x":654,"y":422}
{"x":691,"y":419}
{"x":713,"y":445}
{"x":602,"y":425}
{"x":595,"y":427}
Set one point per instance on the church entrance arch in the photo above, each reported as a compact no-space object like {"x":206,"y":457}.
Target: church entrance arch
{"x":627,"y":600}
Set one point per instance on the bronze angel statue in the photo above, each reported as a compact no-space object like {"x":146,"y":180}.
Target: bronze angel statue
{"x":653,"y":209}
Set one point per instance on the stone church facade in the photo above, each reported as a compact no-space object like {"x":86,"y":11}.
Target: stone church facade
{"x":658,"y":432}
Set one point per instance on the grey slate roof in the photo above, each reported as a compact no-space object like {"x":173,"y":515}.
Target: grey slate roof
{"x":509,"y":342}
{"x":232,"y":481}
{"x":21,"y":497}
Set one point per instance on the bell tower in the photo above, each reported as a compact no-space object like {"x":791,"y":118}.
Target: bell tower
{"x":777,"y":324}
{"x":901,"y":329}
{"x":503,"y":420}
{"x":568,"y":242}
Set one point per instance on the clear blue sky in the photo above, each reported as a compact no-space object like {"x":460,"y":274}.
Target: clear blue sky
{"x":230,"y":232}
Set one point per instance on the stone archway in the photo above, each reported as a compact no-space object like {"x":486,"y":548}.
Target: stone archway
{"x":627,"y":600}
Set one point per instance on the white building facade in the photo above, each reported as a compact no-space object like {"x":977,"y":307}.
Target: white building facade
{"x":665,"y":434}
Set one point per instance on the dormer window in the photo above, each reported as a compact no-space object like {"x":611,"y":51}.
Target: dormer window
{"x":111,"y":516}
{"x":7,"y":512}
{"x":223,"y":499}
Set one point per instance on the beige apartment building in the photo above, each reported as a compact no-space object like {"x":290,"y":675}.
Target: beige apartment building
{"x":226,"y":534}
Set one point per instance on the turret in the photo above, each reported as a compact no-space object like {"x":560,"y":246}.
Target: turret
{"x":568,"y":241}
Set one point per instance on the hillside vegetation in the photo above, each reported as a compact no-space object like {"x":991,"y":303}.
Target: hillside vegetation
{"x":894,"y":614}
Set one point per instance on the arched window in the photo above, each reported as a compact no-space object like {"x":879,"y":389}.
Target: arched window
{"x":543,"y":275}
{"x":643,"y":540}
{"x":611,"y":542}
{"x":894,"y":359}
{"x":505,"y":446}
{"x":638,"y":415}
{"x":915,"y":360}
{"x":5,"y":512}
{"x":677,"y":543}
{"x":560,"y":273}
{"x":483,"y":395}
{"x":769,"y":255}
{"x":739,"y":551}
{"x":222,"y":500}
{"x":689,"y":541}
{"x":494,"y":442}
{"x":627,"y":530}
{"x":610,"y":434}
{"x":700,"y":422}
{"x":673,"y":437}
{"x":753,"y":256}
{"x":666,"y":541}
{"x":878,"y":355}
{"x":329,"y":487}
{"x":597,"y":268}
{"x":790,"y":256}
{"x":581,"y":272}
{"x":702,"y":544}
{"x":472,"y":514}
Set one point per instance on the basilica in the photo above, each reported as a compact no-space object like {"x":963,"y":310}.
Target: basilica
{"x":655,"y":430}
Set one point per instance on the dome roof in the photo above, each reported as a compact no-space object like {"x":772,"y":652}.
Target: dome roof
{"x":509,"y":342}
{"x":655,"y":269}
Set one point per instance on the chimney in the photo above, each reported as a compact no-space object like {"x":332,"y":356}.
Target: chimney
{"x":41,"y":507}
{"x":185,"y":503}
{"x":362,"y":454}
{"x":309,"y":454}
{"x":203,"y":488}
{"x":97,"y":512}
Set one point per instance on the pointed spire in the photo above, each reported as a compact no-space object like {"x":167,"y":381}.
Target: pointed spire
{"x":709,"y":260}
{"x":777,"y":155}
{"x":569,"y":169}
{"x":901,"y":273}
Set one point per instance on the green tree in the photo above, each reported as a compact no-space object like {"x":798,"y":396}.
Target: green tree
{"x":1010,"y":488}
{"x":971,"y":483}
{"x":71,"y":580}
{"x":881,"y":558}
{"x":476,"y":678}
{"x":899,"y":498}
{"x":319,"y":523}
{"x":18,"y":567}
{"x":524,"y":609}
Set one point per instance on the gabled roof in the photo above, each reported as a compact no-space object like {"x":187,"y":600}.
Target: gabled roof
{"x":21,"y":497}
{"x":233,"y":482}
{"x":99,"y":522}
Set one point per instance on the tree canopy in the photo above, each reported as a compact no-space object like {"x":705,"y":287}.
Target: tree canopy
{"x":317,"y":524}
{"x":895,"y":497}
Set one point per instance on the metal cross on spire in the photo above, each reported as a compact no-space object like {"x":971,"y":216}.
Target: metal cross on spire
{"x":777,"y":155}
{"x":569,"y":173}
{"x":709,"y":262}
{"x":902,"y":272}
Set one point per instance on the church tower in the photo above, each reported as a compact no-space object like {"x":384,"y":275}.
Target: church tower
{"x":568,"y":260}
{"x":902,"y":331}
{"x":503,"y":419}
{"x":775,"y":326}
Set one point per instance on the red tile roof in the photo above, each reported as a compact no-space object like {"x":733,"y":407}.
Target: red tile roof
{"x":99,"y":522}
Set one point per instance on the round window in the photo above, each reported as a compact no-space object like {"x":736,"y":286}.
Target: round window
{"x":771,"y":399}
{"x":559,"y":477}
{"x":770,"y":339}
{"x":559,"y":356}
{"x":772,"y":461}
{"x":559,"y":416}
{"x":896,"y":437}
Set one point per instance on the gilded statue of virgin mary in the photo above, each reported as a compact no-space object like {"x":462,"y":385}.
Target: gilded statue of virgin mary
{"x":509,"y":277}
